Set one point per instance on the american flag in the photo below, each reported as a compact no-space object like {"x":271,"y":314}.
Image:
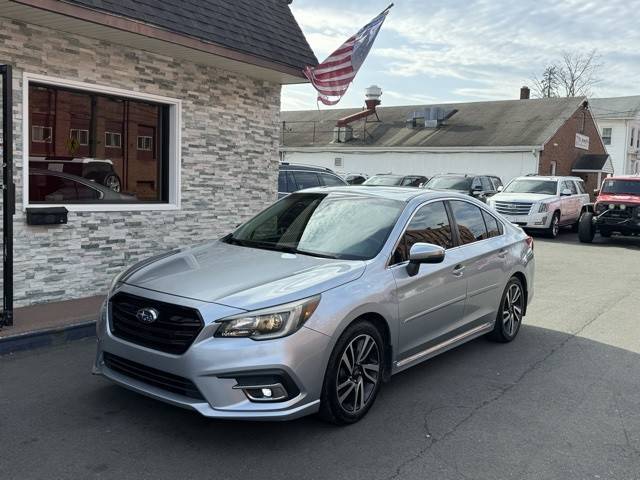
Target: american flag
{"x":332,"y":77}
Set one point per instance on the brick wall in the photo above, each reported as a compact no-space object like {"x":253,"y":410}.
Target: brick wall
{"x":229,"y":161}
{"x":561,"y":147}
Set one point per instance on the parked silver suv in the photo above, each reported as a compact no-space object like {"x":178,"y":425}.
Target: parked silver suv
{"x":314,"y":302}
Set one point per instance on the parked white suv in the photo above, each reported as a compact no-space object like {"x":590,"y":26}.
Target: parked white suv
{"x":542,"y":203}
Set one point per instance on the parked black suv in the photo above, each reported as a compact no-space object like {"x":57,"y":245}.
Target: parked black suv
{"x":479,"y":186}
{"x":294,"y":177}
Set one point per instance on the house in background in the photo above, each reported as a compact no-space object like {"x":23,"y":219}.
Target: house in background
{"x":618,"y":119}
{"x":505,"y":138}
{"x":181,"y":97}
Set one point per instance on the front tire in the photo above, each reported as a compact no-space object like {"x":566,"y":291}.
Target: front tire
{"x":586,"y":229}
{"x":354,"y":374}
{"x":510,"y":313}
{"x":554,"y":227}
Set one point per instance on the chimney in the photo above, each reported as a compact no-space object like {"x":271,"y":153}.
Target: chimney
{"x":525,"y":93}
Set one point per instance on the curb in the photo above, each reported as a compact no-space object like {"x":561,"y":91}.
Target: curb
{"x":47,"y":337}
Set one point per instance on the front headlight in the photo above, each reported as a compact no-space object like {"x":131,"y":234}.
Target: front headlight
{"x":544,"y":207}
{"x":269,"y":323}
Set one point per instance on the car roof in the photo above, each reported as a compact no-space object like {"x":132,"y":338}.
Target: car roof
{"x":624,"y":177}
{"x":402,"y":194}
{"x":554,"y":178}
{"x":310,"y":168}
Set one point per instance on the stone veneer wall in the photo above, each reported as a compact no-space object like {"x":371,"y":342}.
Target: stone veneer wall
{"x":230,"y":126}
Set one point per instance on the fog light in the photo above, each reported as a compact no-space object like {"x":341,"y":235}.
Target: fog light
{"x":264,"y":393}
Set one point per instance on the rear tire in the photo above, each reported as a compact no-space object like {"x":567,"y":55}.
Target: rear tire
{"x":554,"y":226}
{"x":354,"y":374}
{"x":511,"y":312}
{"x":586,"y":229}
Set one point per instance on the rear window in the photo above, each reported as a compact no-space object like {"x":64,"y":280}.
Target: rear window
{"x":449,"y":183}
{"x":384,"y":180}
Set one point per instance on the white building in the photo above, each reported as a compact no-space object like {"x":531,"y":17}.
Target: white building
{"x":619,"y":122}
{"x":505,"y":138}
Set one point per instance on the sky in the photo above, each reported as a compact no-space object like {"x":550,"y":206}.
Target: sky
{"x":470,"y":50}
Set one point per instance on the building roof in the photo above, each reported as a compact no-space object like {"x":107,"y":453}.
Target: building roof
{"x":594,"y":162}
{"x":510,"y":123}
{"x":615,"y":107}
{"x":265,"y":28}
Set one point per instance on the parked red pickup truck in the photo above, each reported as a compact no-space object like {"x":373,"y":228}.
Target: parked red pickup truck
{"x":616,"y":211}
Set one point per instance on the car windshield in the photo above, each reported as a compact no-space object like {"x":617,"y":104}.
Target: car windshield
{"x":449,"y":183}
{"x":621,"y":186}
{"x":384,"y":180}
{"x":342,"y":226}
{"x":530,"y":185}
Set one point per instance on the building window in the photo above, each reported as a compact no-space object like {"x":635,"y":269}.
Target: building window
{"x":80,"y":136}
{"x":112,"y":140}
{"x":145,"y":143}
{"x":633,"y":136}
{"x":40,"y":134}
{"x":93,"y":164}
{"x":338,"y":161}
{"x":552,"y":169}
{"x":606,"y":136}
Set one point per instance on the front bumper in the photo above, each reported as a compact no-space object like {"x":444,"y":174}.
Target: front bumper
{"x":213,"y":364}
{"x":616,"y":222}
{"x":531,"y":221}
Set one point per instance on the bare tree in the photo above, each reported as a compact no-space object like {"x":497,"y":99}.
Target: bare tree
{"x":578,"y":73}
{"x":547,"y":85}
{"x":574,"y":75}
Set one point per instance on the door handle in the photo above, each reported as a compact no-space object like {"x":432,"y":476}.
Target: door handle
{"x":502,"y":253}
{"x":458,"y":270}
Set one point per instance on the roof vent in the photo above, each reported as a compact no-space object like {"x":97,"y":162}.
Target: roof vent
{"x":430,"y":117}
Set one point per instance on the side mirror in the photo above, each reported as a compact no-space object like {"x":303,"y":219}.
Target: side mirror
{"x":565,"y":193}
{"x":596,"y":192}
{"x":423,"y":253}
{"x":500,"y":188}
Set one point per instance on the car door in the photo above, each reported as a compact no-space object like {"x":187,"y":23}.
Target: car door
{"x":569,"y":203}
{"x":484,"y":256}
{"x":429,"y":303}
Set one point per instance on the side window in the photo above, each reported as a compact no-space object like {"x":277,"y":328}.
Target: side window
{"x":567,"y":184}
{"x":486,"y":184}
{"x":581,"y":187}
{"x":282,"y":182}
{"x":430,"y":224}
{"x":331,"y":180}
{"x":306,"y":179}
{"x":493,"y":227}
{"x":476,"y":184}
{"x":471,"y":227}
{"x":497,"y":182}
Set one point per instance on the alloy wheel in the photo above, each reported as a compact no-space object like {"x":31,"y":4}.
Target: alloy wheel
{"x":358,"y":373}
{"x":512,"y":309}
{"x":555,"y":226}
{"x":112,"y":182}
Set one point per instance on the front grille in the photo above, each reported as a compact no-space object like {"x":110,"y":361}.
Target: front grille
{"x":151,"y":376}
{"x":173,"y":332}
{"x":513,"y":208}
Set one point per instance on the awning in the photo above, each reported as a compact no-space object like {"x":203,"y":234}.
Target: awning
{"x":593,"y":163}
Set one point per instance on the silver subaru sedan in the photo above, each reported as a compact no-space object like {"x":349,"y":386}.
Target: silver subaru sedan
{"x":314,"y":303}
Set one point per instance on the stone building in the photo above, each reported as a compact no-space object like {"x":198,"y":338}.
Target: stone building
{"x":155,"y":124}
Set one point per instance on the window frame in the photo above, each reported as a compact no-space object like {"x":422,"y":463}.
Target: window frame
{"x":606,"y":139}
{"x":174,"y":151}
{"x":452,"y":222}
{"x":144,"y":139}
{"x":112,"y":135}
{"x":78,"y":137}
{"x":48,"y":139}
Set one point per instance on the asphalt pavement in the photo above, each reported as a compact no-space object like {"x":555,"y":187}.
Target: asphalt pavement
{"x":561,"y":402}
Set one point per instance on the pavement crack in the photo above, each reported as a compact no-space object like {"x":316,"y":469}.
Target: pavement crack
{"x":501,"y":392}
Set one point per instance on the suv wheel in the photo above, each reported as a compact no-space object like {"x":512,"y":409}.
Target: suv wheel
{"x":354,"y":375}
{"x":112,"y":181}
{"x":586,"y":229}
{"x":554,"y":227}
{"x":510,"y":313}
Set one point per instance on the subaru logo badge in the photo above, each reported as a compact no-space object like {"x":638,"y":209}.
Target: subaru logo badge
{"x":147,"y":315}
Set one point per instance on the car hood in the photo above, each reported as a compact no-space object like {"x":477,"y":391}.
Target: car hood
{"x":618,"y":198}
{"x":243,"y":277}
{"x":523,"y":197}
